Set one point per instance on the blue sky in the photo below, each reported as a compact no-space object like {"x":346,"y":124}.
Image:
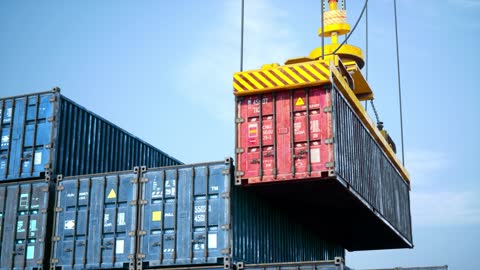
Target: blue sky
{"x":163,"y":70}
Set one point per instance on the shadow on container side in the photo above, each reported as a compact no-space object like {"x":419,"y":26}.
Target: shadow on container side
{"x":25,"y":224}
{"x":178,"y":216}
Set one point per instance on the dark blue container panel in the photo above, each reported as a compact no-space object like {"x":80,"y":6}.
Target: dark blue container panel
{"x":89,"y":144}
{"x":185,"y":214}
{"x":95,"y":221}
{"x":26,"y":135}
{"x":193,"y":215}
{"x":47,"y":133}
{"x":23,"y":225}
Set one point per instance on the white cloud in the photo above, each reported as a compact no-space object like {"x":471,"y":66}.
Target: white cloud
{"x":423,"y":163}
{"x":465,"y":3}
{"x":211,"y":66}
{"x":445,"y":208}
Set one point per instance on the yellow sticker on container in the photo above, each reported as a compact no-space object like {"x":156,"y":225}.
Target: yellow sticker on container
{"x":112,"y":194}
{"x":156,"y":215}
{"x":299,"y":102}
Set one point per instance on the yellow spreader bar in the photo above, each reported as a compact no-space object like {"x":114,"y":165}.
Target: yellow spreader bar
{"x":281,"y":78}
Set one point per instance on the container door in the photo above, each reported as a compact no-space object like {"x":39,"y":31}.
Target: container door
{"x":96,"y":221}
{"x":26,"y":135}
{"x":284,"y":135}
{"x":23,"y":221}
{"x":186,"y":215}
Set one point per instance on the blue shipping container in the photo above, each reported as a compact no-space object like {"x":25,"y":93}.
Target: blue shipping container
{"x":183,"y":216}
{"x":24,"y":223}
{"x":48,"y":134}
{"x":95,"y":221}
{"x":194,"y":215}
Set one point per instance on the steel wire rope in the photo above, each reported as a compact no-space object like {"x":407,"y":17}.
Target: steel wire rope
{"x":398,"y":79}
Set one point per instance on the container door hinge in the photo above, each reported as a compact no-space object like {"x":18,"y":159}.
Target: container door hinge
{"x":143,"y":179}
{"x":133,"y":181}
{"x":328,"y":109}
{"x":226,"y":195}
{"x":58,"y":209}
{"x":328,"y":141}
{"x":140,"y":256}
{"x":43,"y":210}
{"x":140,"y":233}
{"x":53,"y":260}
{"x":44,"y":189}
{"x":239,"y":173}
{"x":239,"y":150}
{"x":132,"y":233}
{"x":133,"y":203}
{"x":53,"y":99}
{"x":239,"y":120}
{"x":226,"y":251}
{"x":60,"y":188}
{"x":51,"y":119}
{"x":142,"y":202}
{"x":48,"y":146}
{"x":47,"y":166}
{"x":226,"y":172}
{"x":330,"y":164}
{"x":56,"y":238}
{"x":39,"y":262}
{"x":226,"y":227}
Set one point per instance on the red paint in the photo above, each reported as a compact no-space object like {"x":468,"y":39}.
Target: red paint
{"x":256,"y":158}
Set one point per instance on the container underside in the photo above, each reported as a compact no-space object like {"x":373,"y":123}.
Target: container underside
{"x":335,"y":212}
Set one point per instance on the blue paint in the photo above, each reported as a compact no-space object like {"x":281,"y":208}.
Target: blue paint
{"x":47,"y":132}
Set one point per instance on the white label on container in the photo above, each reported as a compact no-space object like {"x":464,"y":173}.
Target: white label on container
{"x":315,"y":126}
{"x":212,"y":240}
{"x":33,"y":226}
{"x":106,"y":221}
{"x":9,"y":113}
{"x":69,"y":224}
{"x":30,"y":252}
{"x":20,"y":226}
{"x":121,"y":219}
{"x":120,"y":246}
{"x":38,"y":158}
{"x":5,"y":140}
{"x":315,"y":155}
{"x":3,"y":164}
{"x":26,"y":163}
{"x":24,"y":200}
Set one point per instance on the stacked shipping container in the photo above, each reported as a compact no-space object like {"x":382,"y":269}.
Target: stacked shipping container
{"x":183,"y":215}
{"x":45,"y":134}
{"x":42,"y":135}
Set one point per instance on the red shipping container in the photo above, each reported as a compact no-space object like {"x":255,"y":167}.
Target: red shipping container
{"x":274,"y":141}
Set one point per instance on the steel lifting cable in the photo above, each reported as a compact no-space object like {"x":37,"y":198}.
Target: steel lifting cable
{"x":366,"y":51}
{"x":398,"y":78}
{"x":353,"y":29}
{"x":241,"y":35}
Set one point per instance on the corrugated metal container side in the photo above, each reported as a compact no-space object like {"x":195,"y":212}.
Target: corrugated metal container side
{"x":365,"y":167}
{"x":47,"y":132}
{"x":320,"y":265}
{"x":95,"y":221}
{"x":311,"y":137}
{"x":193,"y":215}
{"x":24,"y":219}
